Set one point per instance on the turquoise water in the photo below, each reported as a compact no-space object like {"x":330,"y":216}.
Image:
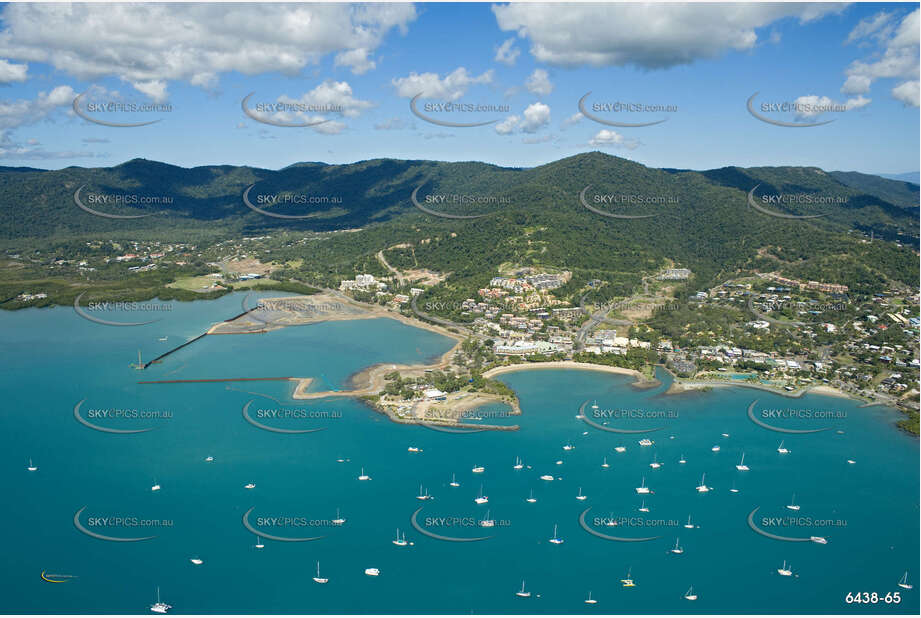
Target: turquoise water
{"x":52,"y":359}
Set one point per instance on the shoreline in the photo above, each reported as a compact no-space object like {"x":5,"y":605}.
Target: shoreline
{"x":641,"y":381}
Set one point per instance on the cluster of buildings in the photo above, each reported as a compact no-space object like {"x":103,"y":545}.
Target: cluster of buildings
{"x":25,"y":297}
{"x":363,"y":283}
{"x":531,"y":282}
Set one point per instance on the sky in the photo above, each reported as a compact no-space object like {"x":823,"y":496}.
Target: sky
{"x":518,"y":71}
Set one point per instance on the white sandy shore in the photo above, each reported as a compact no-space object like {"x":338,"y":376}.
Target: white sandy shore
{"x":564,"y":365}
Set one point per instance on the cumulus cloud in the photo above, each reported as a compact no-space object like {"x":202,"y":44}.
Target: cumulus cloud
{"x":896,"y":57}
{"x":650,"y":36}
{"x":331,"y":95}
{"x":575,"y":118}
{"x":812,"y":106}
{"x":605,"y":138}
{"x":535,"y":117}
{"x":451,"y":87}
{"x":539,"y":83}
{"x":159,"y":43}
{"x":23,"y":112}
{"x":507,"y":53}
{"x":10,"y":72}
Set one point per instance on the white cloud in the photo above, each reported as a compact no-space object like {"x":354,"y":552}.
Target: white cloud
{"x":23,"y":112}
{"x":10,"y":72}
{"x":897,"y":58}
{"x":508,"y":125}
{"x":331,"y":95}
{"x":535,"y":117}
{"x":539,"y":83}
{"x":812,"y":106}
{"x":650,"y":36}
{"x":450,"y":88}
{"x":575,"y":118}
{"x":606,"y":137}
{"x":507,"y":53}
{"x":159,"y":43}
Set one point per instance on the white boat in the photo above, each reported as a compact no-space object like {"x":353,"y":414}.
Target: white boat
{"x":655,"y":465}
{"x":605,"y":464}
{"x":209,"y":458}
{"x":595,"y":405}
{"x":248,"y":486}
{"x":531,"y":498}
{"x":643,"y":508}
{"x":851,"y":461}
{"x":793,"y":506}
{"x":702,"y":488}
{"x":481,"y":499}
{"x":677,"y":549}
{"x":31,"y":467}
{"x":642,"y":489}
{"x":785,"y":570}
{"x":454,"y":482}
{"x":620,"y":449}
{"x":413,"y":449}
{"x":423,"y":495}
{"x":646,"y":442}
{"x":373,"y":572}
{"x":559,"y":462}
{"x":715,"y":449}
{"x":518,"y":465}
{"x":339,"y":519}
{"x":155,"y":486}
{"x":486,"y":522}
{"x":821,"y":540}
{"x":363,"y":476}
{"x":555,"y":539}
{"x":733,"y":488}
{"x":478,"y":469}
{"x":903,"y":583}
{"x":522,"y":593}
{"x":741,"y":465}
{"x":628,"y":580}
{"x":568,"y":447}
{"x":689,"y":525}
{"x":399,"y":541}
{"x":682,"y":460}
{"x":610,"y":522}
{"x":590,"y":600}
{"x":581,"y":496}
{"x":318,"y":579}
{"x":546,"y":477}
{"x":160,"y":607}
{"x":689,"y":595}
{"x":163,"y":338}
{"x":259,"y":544}
{"x":781,"y":449}
{"x":725,"y":435}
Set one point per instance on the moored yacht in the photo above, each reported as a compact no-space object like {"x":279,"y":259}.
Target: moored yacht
{"x":646,"y":442}
{"x":793,"y":506}
{"x":339,"y":519}
{"x":478,"y":469}
{"x":677,"y":549}
{"x":531,"y":498}
{"x":454,"y":482}
{"x":486,"y":522}
{"x":581,"y":496}
{"x":642,"y":489}
{"x":689,"y":525}
{"x":605,"y":464}
{"x":522,"y":593}
{"x":259,"y":544}
{"x":643,"y":508}
{"x":590,"y":600}
{"x":31,"y":467}
{"x":318,"y":579}
{"x":690,"y":595}
{"x":785,"y":570}
{"x":903,"y":583}
{"x":518,"y":465}
{"x":247,"y":486}
{"x":160,"y":607}
{"x":620,"y":449}
{"x":556,"y":540}
{"x":781,"y":449}
{"x":628,"y":580}
{"x":399,"y":541}
{"x":702,"y":488}
{"x":741,"y":465}
{"x":196,"y":561}
{"x":363,"y":476}
{"x":481,"y":499}
{"x":373,"y":572}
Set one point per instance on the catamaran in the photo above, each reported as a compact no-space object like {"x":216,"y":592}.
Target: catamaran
{"x":741,"y":465}
{"x":32,"y":467}
{"x":399,"y":541}
{"x":903,"y":583}
{"x":689,"y":595}
{"x":423,"y":495}
{"x":518,"y":465}
{"x":159,"y":607}
{"x":642,"y":489}
{"x":454,"y":482}
{"x":339,"y":518}
{"x":677,"y":549}
{"x":784,"y":570}
{"x":486,"y":522}
{"x":590,"y":600}
{"x":555,"y":539}
{"x":481,"y":499}
{"x":581,"y":496}
{"x":318,"y":579}
{"x":655,"y":465}
{"x":628,"y":581}
{"x":781,"y":449}
{"x":531,"y":498}
{"x":363,"y":476}
{"x":522,"y":593}
{"x":793,"y":506}
{"x":702,"y":488}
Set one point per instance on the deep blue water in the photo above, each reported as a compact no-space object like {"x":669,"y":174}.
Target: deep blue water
{"x":53,"y":359}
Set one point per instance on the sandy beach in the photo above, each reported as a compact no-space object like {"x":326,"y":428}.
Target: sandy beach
{"x":640,"y":378}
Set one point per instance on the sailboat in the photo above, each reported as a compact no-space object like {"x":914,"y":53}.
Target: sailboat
{"x":590,"y":600}
{"x":620,"y":449}
{"x":793,"y":506}
{"x":363,"y":476}
{"x":250,"y":486}
{"x":400,"y":541}
{"x":259,"y":544}
{"x":682,"y":460}
{"x":555,"y":539}
{"x":689,"y":595}
{"x":155,"y":486}
{"x":628,"y":581}
{"x":522,"y":593}
{"x":209,"y":459}
{"x":610,"y":521}
{"x":781,"y":449}
{"x":546,"y":477}
{"x":531,"y":498}
{"x":741,"y":465}
{"x":423,"y":496}
{"x":733,"y":488}
{"x":643,"y":508}
{"x":518,"y":465}
{"x":689,"y":525}
{"x":339,"y":519}
{"x":581,"y":496}
{"x":655,"y":465}
{"x":568,"y":446}
{"x":784,"y":570}
{"x":478,"y":469}
{"x":605,"y":464}
{"x":454,"y":482}
{"x":716,"y":449}
{"x":481,"y":499}
{"x":702,"y":488}
{"x":160,"y":607}
{"x":486,"y":522}
{"x":318,"y":579}
{"x":642,"y":489}
{"x":32,"y":467}
{"x":903,"y":583}
{"x":677,"y":549}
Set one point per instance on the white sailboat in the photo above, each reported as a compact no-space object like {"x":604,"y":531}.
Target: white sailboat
{"x":741,"y":465}
{"x":531,"y":498}
{"x":620,"y":449}
{"x":363,"y":476}
{"x":689,"y":595}
{"x":259,"y":544}
{"x":318,"y":579}
{"x":682,"y":460}
{"x":610,"y":521}
{"x":454,"y":482}
{"x":31,"y":467}
{"x":793,"y":506}
{"x":605,"y":464}
{"x":523,"y":593}
{"x":486,"y":522}
{"x":339,"y":518}
{"x":784,"y":570}
{"x":903,"y":583}
{"x":249,"y":486}
{"x":655,"y":465}
{"x":677,"y":549}
{"x":399,"y":541}
{"x":546,"y":477}
{"x":590,"y":600}
{"x":581,"y":496}
{"x":155,"y":486}
{"x":642,"y":489}
{"x":518,"y":465}
{"x":478,"y":469}
{"x":781,"y":449}
{"x":689,"y":525}
{"x":643,"y":508}
{"x":481,"y":499}
{"x":702,"y":488}
{"x":733,"y":488}
{"x":209,"y":459}
{"x":556,"y":540}
{"x":160,"y":607}
{"x":628,"y":581}
{"x":423,"y":495}
{"x":568,"y":446}
{"x":716,"y":449}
